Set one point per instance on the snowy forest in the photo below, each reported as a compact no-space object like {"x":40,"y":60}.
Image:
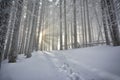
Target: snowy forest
{"x":59,"y":39}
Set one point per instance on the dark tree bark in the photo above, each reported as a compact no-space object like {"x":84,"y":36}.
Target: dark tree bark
{"x":61,"y":25}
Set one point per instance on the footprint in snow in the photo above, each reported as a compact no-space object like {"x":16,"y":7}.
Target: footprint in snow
{"x":70,"y":73}
{"x":75,"y":76}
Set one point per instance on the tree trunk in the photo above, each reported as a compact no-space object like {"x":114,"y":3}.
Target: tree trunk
{"x":40,"y":22}
{"x":104,"y":22}
{"x":75,"y":25}
{"x":65,"y":26}
{"x":14,"y":45}
{"x":61,"y":25}
{"x":88,"y":21}
{"x":5,"y":6}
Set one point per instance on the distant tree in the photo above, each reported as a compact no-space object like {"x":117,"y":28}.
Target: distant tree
{"x":81,"y":5}
{"x":40,"y":22}
{"x":65,"y":26}
{"x":88,"y":22}
{"x":61,"y":25}
{"x":75,"y":25}
{"x":85,"y":23}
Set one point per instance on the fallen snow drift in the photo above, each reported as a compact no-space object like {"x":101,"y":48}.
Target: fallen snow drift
{"x":95,"y":63}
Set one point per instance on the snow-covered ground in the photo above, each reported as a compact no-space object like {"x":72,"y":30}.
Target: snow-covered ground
{"x":95,"y":63}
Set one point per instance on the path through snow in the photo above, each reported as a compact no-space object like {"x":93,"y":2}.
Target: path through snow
{"x":76,"y":70}
{"x":88,"y":64}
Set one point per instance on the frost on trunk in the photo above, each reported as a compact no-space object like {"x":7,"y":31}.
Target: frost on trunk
{"x":4,"y":16}
{"x":104,"y":23}
{"x":31,"y":28}
{"x":113,"y":22}
{"x":16,"y":23}
{"x":109,"y":9}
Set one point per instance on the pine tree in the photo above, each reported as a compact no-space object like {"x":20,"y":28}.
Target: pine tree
{"x":14,"y":43}
{"x":65,"y":26}
{"x":104,"y":22}
{"x":5,"y":6}
{"x":75,"y":25}
{"x":61,"y":25}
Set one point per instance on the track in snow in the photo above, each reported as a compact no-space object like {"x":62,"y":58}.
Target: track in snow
{"x":64,"y":67}
{"x":76,"y":71}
